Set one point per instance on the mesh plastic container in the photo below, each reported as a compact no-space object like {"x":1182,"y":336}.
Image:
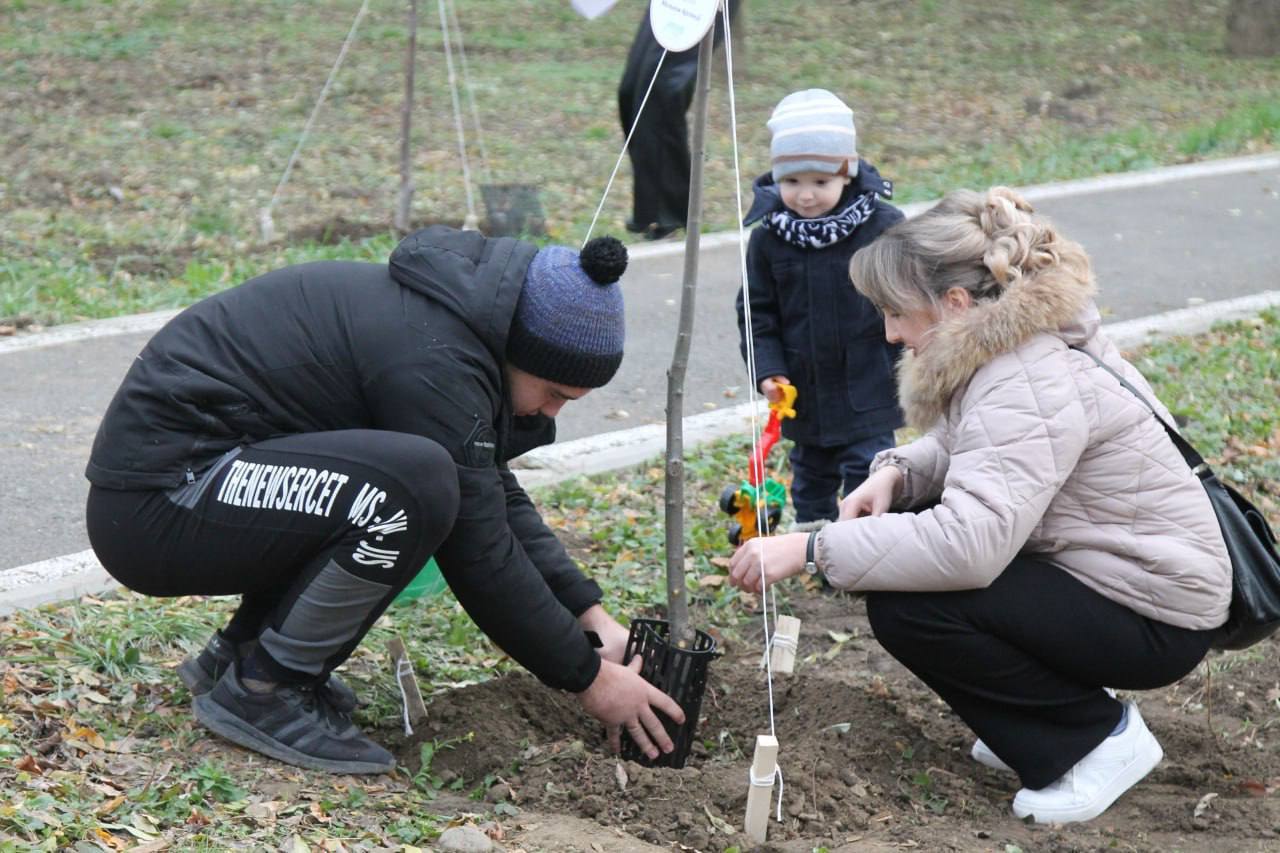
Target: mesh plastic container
{"x":681,"y":674}
{"x":513,"y":210}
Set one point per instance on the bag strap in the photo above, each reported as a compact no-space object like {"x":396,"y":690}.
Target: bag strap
{"x":1196,"y":462}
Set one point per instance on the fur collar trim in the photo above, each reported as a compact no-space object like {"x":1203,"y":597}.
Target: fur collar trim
{"x":1044,"y":301}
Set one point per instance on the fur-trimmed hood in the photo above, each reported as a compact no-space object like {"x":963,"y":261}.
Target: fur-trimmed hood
{"x":1043,"y":301}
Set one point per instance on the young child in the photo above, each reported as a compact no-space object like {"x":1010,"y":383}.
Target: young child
{"x":818,"y":206}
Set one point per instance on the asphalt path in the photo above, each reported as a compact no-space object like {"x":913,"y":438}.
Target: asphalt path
{"x":1159,"y":241}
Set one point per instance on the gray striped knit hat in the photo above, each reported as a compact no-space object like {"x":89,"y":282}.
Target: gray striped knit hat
{"x":568,"y":325}
{"x":813,"y":132}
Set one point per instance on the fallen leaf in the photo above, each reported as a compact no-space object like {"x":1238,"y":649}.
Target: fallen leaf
{"x":711,"y":581}
{"x":718,"y":823}
{"x":29,"y":764}
{"x":295,"y":845}
{"x":109,"y":806}
{"x":1253,"y":787}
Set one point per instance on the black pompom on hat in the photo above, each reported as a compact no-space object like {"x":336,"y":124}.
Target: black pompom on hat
{"x":568,"y":325}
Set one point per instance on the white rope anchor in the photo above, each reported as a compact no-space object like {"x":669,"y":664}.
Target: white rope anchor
{"x":404,"y":668}
{"x":767,"y":782}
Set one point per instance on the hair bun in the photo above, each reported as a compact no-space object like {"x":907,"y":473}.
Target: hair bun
{"x":603,"y":259}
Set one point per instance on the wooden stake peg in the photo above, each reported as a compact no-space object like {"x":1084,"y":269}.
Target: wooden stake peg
{"x":763,"y":767}
{"x":415,"y":708}
{"x":786,"y":636}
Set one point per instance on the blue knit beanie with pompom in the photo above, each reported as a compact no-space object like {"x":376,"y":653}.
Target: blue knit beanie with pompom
{"x":568,"y":326}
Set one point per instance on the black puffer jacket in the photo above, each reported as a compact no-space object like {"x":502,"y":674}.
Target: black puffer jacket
{"x":415,"y":347}
{"x":810,"y":325}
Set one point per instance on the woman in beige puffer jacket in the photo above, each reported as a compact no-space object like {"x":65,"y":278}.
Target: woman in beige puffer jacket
{"x":1043,"y":538}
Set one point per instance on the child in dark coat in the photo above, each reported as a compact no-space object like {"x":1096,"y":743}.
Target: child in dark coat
{"x":809,"y":328}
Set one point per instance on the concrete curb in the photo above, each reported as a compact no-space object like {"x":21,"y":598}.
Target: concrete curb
{"x":78,"y":574}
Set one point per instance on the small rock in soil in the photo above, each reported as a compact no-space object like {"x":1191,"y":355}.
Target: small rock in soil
{"x":463,"y":839}
{"x":500,"y":792}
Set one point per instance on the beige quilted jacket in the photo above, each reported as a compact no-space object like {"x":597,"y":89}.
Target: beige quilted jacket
{"x":1031,"y":447}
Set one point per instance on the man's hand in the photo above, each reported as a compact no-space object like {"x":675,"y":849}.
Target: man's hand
{"x":874,"y":497}
{"x":779,"y":556}
{"x":771,"y":388}
{"x":619,"y":698}
{"x":613,"y":637}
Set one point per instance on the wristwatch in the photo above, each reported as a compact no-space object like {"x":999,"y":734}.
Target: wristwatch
{"x":810,"y":561}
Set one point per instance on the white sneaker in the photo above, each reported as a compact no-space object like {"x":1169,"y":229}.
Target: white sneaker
{"x":1088,"y":789}
{"x":982,"y":754}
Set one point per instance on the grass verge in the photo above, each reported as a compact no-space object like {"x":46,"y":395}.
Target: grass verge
{"x":147,"y":135}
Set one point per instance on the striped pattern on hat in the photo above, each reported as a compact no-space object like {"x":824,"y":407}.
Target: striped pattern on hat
{"x":813,"y":132}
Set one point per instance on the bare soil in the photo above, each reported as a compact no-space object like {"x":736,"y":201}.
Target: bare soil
{"x":872,"y":760}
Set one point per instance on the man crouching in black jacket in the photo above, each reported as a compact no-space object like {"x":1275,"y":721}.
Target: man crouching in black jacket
{"x":309,"y":439}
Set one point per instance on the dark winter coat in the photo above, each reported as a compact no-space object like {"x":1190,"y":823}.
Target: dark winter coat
{"x":416,"y":347}
{"x":810,"y":325}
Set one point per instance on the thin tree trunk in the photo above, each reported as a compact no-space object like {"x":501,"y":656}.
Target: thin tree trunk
{"x":682,"y":632}
{"x":405,"y":200}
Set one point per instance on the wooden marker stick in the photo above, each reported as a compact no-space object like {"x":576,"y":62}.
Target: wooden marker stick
{"x":763,"y":766}
{"x":786,"y":634}
{"x":415,"y":710}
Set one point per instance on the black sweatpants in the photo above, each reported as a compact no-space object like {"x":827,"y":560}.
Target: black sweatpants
{"x":1024,"y":661}
{"x":317,"y":533}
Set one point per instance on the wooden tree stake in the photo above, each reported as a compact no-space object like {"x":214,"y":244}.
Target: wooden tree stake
{"x":415,"y":710}
{"x":763,"y":766}
{"x":786,"y":634}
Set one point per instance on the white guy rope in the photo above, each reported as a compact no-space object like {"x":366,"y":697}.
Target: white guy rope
{"x":767,"y":782}
{"x":761,"y":510}
{"x":471,"y":94}
{"x":472,"y":221}
{"x":625,"y":143}
{"x":264,"y":218}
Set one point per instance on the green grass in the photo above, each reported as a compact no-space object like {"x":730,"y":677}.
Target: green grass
{"x":147,"y":134}
{"x":124,"y":763}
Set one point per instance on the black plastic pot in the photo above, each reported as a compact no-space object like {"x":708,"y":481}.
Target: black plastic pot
{"x":680,"y":673}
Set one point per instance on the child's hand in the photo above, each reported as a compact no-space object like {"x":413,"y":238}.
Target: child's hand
{"x":771,"y":388}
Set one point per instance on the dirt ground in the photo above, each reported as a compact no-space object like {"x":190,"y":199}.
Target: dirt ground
{"x":871,"y":760}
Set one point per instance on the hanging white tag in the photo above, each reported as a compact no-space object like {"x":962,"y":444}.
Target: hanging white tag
{"x":680,"y":24}
{"x":592,"y":9}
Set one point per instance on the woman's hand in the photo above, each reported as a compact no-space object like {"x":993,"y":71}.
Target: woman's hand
{"x":619,"y":698}
{"x":874,"y":497}
{"x":771,"y":388}
{"x":780,"y":556}
{"x":613,"y":636}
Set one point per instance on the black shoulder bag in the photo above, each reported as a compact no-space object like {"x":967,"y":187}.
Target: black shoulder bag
{"x":1251,"y":545}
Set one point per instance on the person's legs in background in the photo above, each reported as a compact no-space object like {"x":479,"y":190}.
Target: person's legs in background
{"x":319,"y":532}
{"x":659,"y":147}
{"x":1024,"y":663}
{"x":815,"y":485}
{"x":854,"y":460}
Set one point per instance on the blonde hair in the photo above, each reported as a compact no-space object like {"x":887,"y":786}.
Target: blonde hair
{"x":982,"y":242}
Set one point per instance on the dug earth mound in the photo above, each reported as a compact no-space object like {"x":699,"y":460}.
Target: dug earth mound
{"x":871,"y":760}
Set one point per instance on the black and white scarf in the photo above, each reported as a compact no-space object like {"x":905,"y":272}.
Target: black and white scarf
{"x":821,"y":231}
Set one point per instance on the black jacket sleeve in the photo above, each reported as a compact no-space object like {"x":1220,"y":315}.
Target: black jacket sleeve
{"x":766,"y":320}
{"x":483,"y":560}
{"x":571,"y":587}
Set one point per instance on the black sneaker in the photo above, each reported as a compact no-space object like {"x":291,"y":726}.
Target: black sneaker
{"x":291,"y":723}
{"x":200,"y":672}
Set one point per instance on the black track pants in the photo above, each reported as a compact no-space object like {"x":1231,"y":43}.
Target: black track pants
{"x":1024,"y":661}
{"x":317,"y":533}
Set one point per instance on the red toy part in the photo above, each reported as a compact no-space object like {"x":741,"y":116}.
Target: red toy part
{"x":784,"y":408}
